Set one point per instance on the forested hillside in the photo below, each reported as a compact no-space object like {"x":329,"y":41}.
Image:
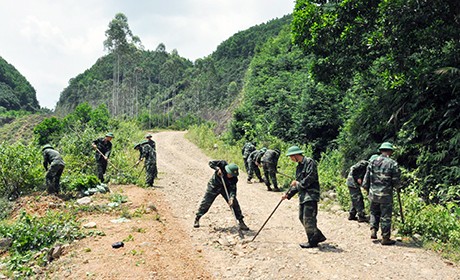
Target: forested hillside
{"x":161,"y":87}
{"x":16,"y":93}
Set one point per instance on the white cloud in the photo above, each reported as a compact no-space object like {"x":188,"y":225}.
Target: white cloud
{"x":50,"y":42}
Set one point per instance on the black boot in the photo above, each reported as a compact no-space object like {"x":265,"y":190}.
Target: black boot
{"x":352,"y":217}
{"x":387,"y":241}
{"x":373,"y":233}
{"x":243,"y":226}
{"x":308,"y":245}
{"x":196,"y":224}
{"x":362,"y":218}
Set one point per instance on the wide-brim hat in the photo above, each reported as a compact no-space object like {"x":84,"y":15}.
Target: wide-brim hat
{"x":386,"y":146}
{"x":294,"y":150}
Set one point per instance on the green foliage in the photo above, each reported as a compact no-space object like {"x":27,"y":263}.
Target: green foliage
{"x":48,"y":131}
{"x":79,"y":182}
{"x":20,"y":170}
{"x":30,"y":234}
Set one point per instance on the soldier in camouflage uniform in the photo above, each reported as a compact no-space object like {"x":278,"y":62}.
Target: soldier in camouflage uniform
{"x":103,"y":147}
{"x":56,"y":164}
{"x":229,"y":173}
{"x":153,"y":145}
{"x":247,"y":149}
{"x":269,"y":163}
{"x":253,"y":162}
{"x":146,"y":152}
{"x":306,"y":184}
{"x":382,"y":176}
{"x":354,"y":183}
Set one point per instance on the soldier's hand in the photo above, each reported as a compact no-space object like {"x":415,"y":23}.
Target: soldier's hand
{"x":284,"y":197}
{"x":106,"y":158}
{"x":94,"y":146}
{"x":137,"y":162}
{"x":294,"y":183}
{"x":230,"y":202}
{"x":219,"y":172}
{"x":360,"y":181}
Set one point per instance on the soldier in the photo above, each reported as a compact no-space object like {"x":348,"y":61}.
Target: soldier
{"x":269,"y":163}
{"x":354,"y":183}
{"x":247,"y":149}
{"x":103,"y":147}
{"x":306,"y":184}
{"x":382,"y":176}
{"x":53,"y":176}
{"x":229,"y":173}
{"x":146,"y":151}
{"x":253,"y":162}
{"x":153,"y":145}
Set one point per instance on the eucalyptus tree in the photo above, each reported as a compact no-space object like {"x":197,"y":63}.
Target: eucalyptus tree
{"x":120,"y":42}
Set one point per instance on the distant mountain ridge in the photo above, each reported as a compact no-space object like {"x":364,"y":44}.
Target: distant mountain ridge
{"x":16,"y":93}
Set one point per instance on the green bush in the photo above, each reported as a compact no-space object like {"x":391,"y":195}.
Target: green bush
{"x":21,"y":169}
{"x":30,"y":234}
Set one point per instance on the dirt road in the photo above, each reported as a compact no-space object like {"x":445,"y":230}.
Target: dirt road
{"x":173,"y":249}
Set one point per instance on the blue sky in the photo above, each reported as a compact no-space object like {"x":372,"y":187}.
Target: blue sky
{"x":52,"y":41}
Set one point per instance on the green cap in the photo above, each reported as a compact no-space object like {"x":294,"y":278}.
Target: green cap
{"x":232,"y":169}
{"x":148,"y":135}
{"x":47,"y":146}
{"x":386,"y":146}
{"x":294,"y":150}
{"x":110,"y":134}
{"x":137,"y":145}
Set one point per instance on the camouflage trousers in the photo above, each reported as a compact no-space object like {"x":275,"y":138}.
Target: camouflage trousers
{"x":53,"y":176}
{"x":246,"y":164}
{"x":307,"y":216}
{"x":357,"y":201}
{"x":211,"y":193}
{"x":270,"y":174}
{"x":381,"y":215}
{"x":151,"y":172}
{"x":101,"y":168}
{"x":254,"y":169}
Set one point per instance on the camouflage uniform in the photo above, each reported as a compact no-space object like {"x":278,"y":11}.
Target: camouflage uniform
{"x":105,"y":147}
{"x":216,"y":187}
{"x":357,"y":171}
{"x":308,"y":189}
{"x":252,"y":161}
{"x":56,"y":164}
{"x":382,"y":176}
{"x":247,"y":149}
{"x":146,"y":151}
{"x":153,"y":145}
{"x":269,"y":164}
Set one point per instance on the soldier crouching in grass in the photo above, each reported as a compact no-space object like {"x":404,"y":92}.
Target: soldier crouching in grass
{"x":56,"y":164}
{"x":306,"y":183}
{"x":229,"y":173}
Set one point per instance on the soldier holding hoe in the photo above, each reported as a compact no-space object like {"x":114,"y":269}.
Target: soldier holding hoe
{"x":103,"y":147}
{"x":56,"y":164}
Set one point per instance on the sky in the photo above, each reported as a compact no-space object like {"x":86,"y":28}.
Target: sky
{"x":51,"y":41}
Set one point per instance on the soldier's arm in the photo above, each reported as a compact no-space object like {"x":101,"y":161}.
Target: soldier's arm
{"x":367,"y":179}
{"x":217,"y":164}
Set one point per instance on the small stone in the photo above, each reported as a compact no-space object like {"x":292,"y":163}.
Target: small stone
{"x":84,"y":200}
{"x":90,"y":225}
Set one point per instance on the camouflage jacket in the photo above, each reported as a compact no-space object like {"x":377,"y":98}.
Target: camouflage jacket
{"x":51,"y":157}
{"x":271,"y":156}
{"x":146,"y":151}
{"x":357,"y":171}
{"x":248,"y":148}
{"x":216,"y":180}
{"x":382,"y":176}
{"x":104,"y":146}
{"x":308,"y":184}
{"x":255,"y":156}
{"x":152,"y":144}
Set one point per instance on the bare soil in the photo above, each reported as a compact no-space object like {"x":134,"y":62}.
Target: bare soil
{"x":163,"y":244}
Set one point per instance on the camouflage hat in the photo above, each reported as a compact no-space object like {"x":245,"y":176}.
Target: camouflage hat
{"x":294,"y":150}
{"x":137,"y":145}
{"x":386,"y":146}
{"x":110,"y":134}
{"x":232,"y":169}
{"x":148,"y":135}
{"x":47,"y":146}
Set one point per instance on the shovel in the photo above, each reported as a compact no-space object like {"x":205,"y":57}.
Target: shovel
{"x":240,"y":232}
